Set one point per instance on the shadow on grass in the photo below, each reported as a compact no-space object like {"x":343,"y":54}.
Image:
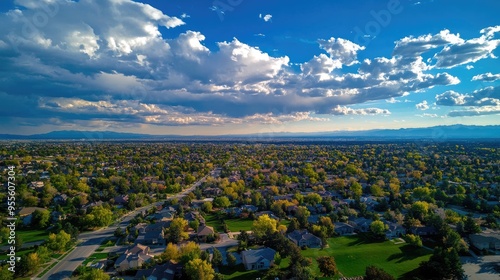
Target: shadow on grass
{"x":410,"y":275}
{"x":364,"y":238}
{"x":408,"y":253}
{"x":239,"y":272}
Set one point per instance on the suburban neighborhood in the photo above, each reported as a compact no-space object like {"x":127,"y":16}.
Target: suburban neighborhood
{"x":248,"y":211}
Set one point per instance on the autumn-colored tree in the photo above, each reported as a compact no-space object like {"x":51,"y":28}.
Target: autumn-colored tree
{"x":327,"y":266}
{"x":198,"y":269}
{"x":264,"y":226}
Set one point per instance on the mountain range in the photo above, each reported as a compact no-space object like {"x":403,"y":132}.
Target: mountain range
{"x":437,"y":133}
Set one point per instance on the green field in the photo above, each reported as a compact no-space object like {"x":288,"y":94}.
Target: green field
{"x":31,"y":235}
{"x":239,"y":272}
{"x":354,"y":253}
{"x":235,"y":225}
{"x":211,"y":220}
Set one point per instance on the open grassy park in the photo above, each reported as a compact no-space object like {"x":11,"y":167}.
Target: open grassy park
{"x":30,"y":235}
{"x":354,"y":253}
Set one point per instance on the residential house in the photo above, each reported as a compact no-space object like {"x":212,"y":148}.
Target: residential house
{"x":343,"y":229}
{"x":304,"y":238}
{"x":486,"y":240}
{"x":26,"y":213}
{"x":60,"y":199}
{"x":395,"y":230}
{"x":361,"y":224}
{"x":192,"y":216}
{"x":258,"y":259}
{"x":167,"y":271}
{"x":153,"y":234}
{"x":121,"y":199}
{"x":36,"y":185}
{"x":134,"y":257}
{"x":424,"y":230}
{"x":204,"y":231}
{"x":249,"y":208}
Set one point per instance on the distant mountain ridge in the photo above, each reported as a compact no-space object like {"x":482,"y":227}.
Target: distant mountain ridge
{"x":438,"y":133}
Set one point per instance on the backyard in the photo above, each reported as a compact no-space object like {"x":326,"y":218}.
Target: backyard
{"x":354,"y":253}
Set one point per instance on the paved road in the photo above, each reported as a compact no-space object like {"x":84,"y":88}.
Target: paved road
{"x":90,"y":241}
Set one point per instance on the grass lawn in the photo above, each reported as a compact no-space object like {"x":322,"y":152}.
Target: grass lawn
{"x":239,"y":272}
{"x":18,"y":254}
{"x":211,"y":220}
{"x":95,"y":257}
{"x":354,"y":253}
{"x":31,"y":235}
{"x":235,"y":225}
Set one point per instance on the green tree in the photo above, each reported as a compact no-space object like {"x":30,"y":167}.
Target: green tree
{"x":264,"y":226}
{"x":94,"y":274}
{"x":375,"y":273}
{"x":171,"y":253}
{"x":378,"y":228}
{"x":30,"y":263}
{"x":420,"y":209}
{"x":189,"y":251}
{"x":327,"y":266}
{"x":470,"y":225}
{"x":207,"y":207}
{"x":199,"y":270}
{"x":176,"y":231}
{"x":43,"y":253}
{"x":222,"y":202}
{"x":231,"y":259}
{"x":102,"y":216}
{"x":59,"y":242}
{"x":443,"y":264}
{"x":356,"y":190}
{"x":40,"y":218}
{"x":5,"y":274}
{"x":217,"y":258}
{"x":413,"y":240}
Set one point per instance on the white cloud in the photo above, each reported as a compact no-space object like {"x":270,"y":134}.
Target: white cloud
{"x":119,"y":67}
{"x":466,"y":52}
{"x":426,"y":115}
{"x":415,"y":46}
{"x":343,"y":110}
{"x":483,"y":97}
{"x":266,"y":17}
{"x":472,"y":112}
{"x":487,"y":77}
{"x":392,"y":100}
{"x":422,"y":105}
{"x":469,"y":67}
{"x":341,"y":50}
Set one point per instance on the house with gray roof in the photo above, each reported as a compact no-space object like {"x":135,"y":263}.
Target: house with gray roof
{"x":258,"y":259}
{"x":304,"y":238}
{"x":486,"y":240}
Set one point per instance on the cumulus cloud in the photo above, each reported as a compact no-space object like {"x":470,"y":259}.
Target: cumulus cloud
{"x":483,"y":97}
{"x":343,"y":110}
{"x":415,"y":46}
{"x":487,"y":110}
{"x":107,"y":60}
{"x":266,"y":17}
{"x":422,"y":105}
{"x":487,"y":77}
{"x":341,"y":50}
{"x":455,"y":50}
{"x":466,"y":52}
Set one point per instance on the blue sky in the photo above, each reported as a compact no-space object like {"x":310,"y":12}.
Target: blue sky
{"x":247,"y":66}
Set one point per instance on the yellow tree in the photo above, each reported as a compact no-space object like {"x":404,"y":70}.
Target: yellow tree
{"x":198,"y":269}
{"x":264,"y":226}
